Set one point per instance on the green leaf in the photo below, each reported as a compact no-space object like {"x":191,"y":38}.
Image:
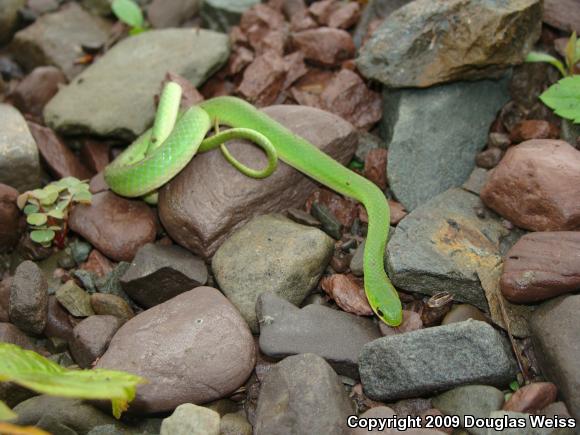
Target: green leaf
{"x":128,"y":12}
{"x":83,"y":197}
{"x":564,"y":98}
{"x":5,"y":412}
{"x":42,"y":236}
{"x":36,"y":219}
{"x":22,"y":199}
{"x":136,"y":30}
{"x":30,"y":208}
{"x":514,"y":386}
{"x":536,"y":56}
{"x":571,"y":52}
{"x":49,"y":197}
{"x":33,"y":371}
{"x":56,"y":213}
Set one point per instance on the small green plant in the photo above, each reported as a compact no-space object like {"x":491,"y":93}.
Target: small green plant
{"x":572,"y":57}
{"x":47,"y":209}
{"x":130,"y":13}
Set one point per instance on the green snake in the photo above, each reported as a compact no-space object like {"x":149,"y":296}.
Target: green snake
{"x":164,"y":150}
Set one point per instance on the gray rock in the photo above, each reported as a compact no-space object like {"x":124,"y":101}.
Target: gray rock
{"x":98,"y":7}
{"x":92,"y":337}
{"x":529,"y":430}
{"x":9,"y":19}
{"x":356,"y":262}
{"x":75,"y":299}
{"x":158,"y":273}
{"x":555,"y":329}
{"x":428,"y":154}
{"x":194,"y":348}
{"x":373,"y":11}
{"x":29,"y":298}
{"x":367,"y":142}
{"x":221,"y":15}
{"x":302,"y":395}
{"x":270,"y":253}
{"x":427,"y":42}
{"x":235,"y":424}
{"x":189,"y":419}
{"x":19,"y":161}
{"x":57,"y":39}
{"x":476,"y":180}
{"x":384,"y":412}
{"x":111,"y":103}
{"x":171,"y":13}
{"x":333,"y":335}
{"x":410,"y":365}
{"x":443,"y":244}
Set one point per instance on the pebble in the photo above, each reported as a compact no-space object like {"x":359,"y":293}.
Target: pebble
{"x":328,"y":221}
{"x":29,"y":298}
{"x":75,"y":299}
{"x":375,"y":168}
{"x":111,"y":305}
{"x":91,"y":337}
{"x":173,"y":13}
{"x":324,"y":46}
{"x":476,"y":180}
{"x":11,"y":334}
{"x":562,"y":14}
{"x":462,"y":312}
{"x":489,"y":158}
{"x":532,"y":398}
{"x":348,"y":293}
{"x":343,"y":209}
{"x":9,"y":218}
{"x":534,"y":129}
{"x":235,"y":424}
{"x":190,"y":419}
{"x":58,"y":323}
{"x":97,"y":264}
{"x":95,"y":155}
{"x":31,"y":94}
{"x":411,"y":322}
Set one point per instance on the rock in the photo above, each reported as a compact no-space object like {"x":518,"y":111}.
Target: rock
{"x":97,"y":264}
{"x":189,"y":419}
{"x":411,"y":322}
{"x":324,"y":45}
{"x":375,"y":168}
{"x":343,"y":209}
{"x":37,"y":88}
{"x":221,"y":15}
{"x":112,"y":105}
{"x":555,"y":329}
{"x":462,"y":312}
{"x":230,"y":198}
{"x":29,"y":298}
{"x":116,"y":226}
{"x":471,"y":352}
{"x":20,"y":165}
{"x":534,"y":186}
{"x":442,"y":245}
{"x":198,"y":329}
{"x":5,"y":286}
{"x":556,"y":408}
{"x":416,"y":128}
{"x":9,"y":19}
{"x":402,"y":52}
{"x":159,"y":273}
{"x":235,"y":424}
{"x":529,"y":430}
{"x":11,"y":334}
{"x":57,"y":324}
{"x":9,"y":218}
{"x":92,"y":337}
{"x":384,"y":412}
{"x":56,"y":39}
{"x":95,"y":155}
{"x":263,"y":79}
{"x":562,"y":14}
{"x":302,"y":394}
{"x":476,"y":180}
{"x":541,"y":266}
{"x":531,"y":398}
{"x":270,"y":253}
{"x":75,"y":299}
{"x":534,"y":129}
{"x":111,"y":305}
{"x":333,"y":335}
{"x":162,"y":13}
{"x":366,"y":143}
{"x":345,"y":16}
{"x":489,"y":158}
{"x":348,"y":293}
{"x":372,"y":15}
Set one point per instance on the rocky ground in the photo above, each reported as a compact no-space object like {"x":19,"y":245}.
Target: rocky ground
{"x":241,"y":300}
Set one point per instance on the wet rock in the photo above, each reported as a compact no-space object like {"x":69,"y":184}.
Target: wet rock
{"x":200,"y":329}
{"x":531,"y":398}
{"x":324,"y":45}
{"x":462,"y":312}
{"x":113,"y":106}
{"x":416,"y":128}
{"x":61,"y":161}
{"x":116,"y":226}
{"x":57,"y":323}
{"x":555,"y":330}
{"x":75,"y":299}
{"x":29,"y":298}
{"x":541,"y":266}
{"x":20,"y":165}
{"x":376,"y":167}
{"x":442,"y":245}
{"x":489,"y":158}
{"x":111,"y":305}
{"x":302,"y":394}
{"x":11,"y":334}
{"x":471,"y":351}
{"x":230,"y":198}
{"x":162,"y":13}
{"x":270,"y":253}
{"x":333,"y":335}
{"x":57,"y":39}
{"x":263,"y":79}
{"x":37,"y":88}
{"x":9,"y":218}
{"x":534,"y":129}
{"x":189,"y":419}
{"x":411,"y":322}
{"x":92,"y":337}
{"x":535,"y":186}
{"x":159,"y":273}
{"x":402,"y":52}
{"x":562,"y":14}
{"x":348,"y":293}
{"x":95,"y":155}
{"x":221,"y":15}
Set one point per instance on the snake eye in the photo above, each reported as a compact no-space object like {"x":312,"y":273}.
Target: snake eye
{"x":380,"y":313}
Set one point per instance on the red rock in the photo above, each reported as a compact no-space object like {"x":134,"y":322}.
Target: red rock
{"x":98,"y":264}
{"x":541,"y":266}
{"x":398,"y":212}
{"x":536,"y":186}
{"x":411,"y":322}
{"x":325,"y":46}
{"x":295,"y":68}
{"x":344,"y":209}
{"x":348,"y":293}
{"x":534,"y":129}
{"x":31,"y":94}
{"x":263,"y":79}
{"x":116,"y":226}
{"x":562,"y":14}
{"x":95,"y":155}
{"x":265,"y":29}
{"x":58,"y":323}
{"x":9,"y":218}
{"x":345,"y":17}
{"x":11,"y":334}
{"x":489,"y":158}
{"x":376,"y":167}
{"x":531,"y":398}
{"x":322,"y":10}
{"x":240,"y":58}
{"x":302,"y":21}
{"x":60,"y":159}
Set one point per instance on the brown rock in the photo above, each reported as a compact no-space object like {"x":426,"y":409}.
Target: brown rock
{"x":499,"y":140}
{"x":240,"y":58}
{"x":190,"y":96}
{"x":534,"y":129}
{"x":58,"y":323}
{"x":462,"y":312}
{"x":92,"y":337}
{"x":95,"y":155}
{"x":345,"y":210}
{"x":376,"y":167}
{"x":541,"y":266}
{"x":11,"y":334}
{"x":98,"y":264}
{"x":345,"y":16}
{"x":210,"y":199}
{"x":302,"y":21}
{"x":325,"y":46}
{"x":411,"y":322}
{"x":531,"y":398}
{"x":98,"y":183}
{"x":60,"y":159}
{"x":562,"y":14}
{"x":489,"y":158}
{"x":171,"y":13}
{"x":295,"y":68}
{"x":29,"y":298}
{"x":263,"y":79}
{"x":348,"y":293}
{"x":116,"y":226}
{"x":111,"y":305}
{"x":536,"y":186}
{"x":5,"y":285}
{"x":321,"y":10}
{"x":37,"y":88}
{"x":265,"y":29}
{"x":9,"y":218}
{"x":398,"y":212}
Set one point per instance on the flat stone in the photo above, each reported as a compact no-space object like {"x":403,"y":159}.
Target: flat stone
{"x":416,"y":127}
{"x":112,"y":104}
{"x":555,"y":330}
{"x":270,"y":254}
{"x":19,"y":161}
{"x":409,"y":365}
{"x":184,"y":347}
{"x":29,"y":298}
{"x":333,"y":335}
{"x":92,"y":337}
{"x":536,"y":186}
{"x":442,"y":245}
{"x":401,"y":52}
{"x":189,"y":419}
{"x":159,"y":273}
{"x":9,"y":218}
{"x":75,"y":299}
{"x":300,"y":395}
{"x":221,"y":15}
{"x":9,"y":19}
{"x":57,"y":39}
{"x":562,"y":14}
{"x":229,"y":198}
